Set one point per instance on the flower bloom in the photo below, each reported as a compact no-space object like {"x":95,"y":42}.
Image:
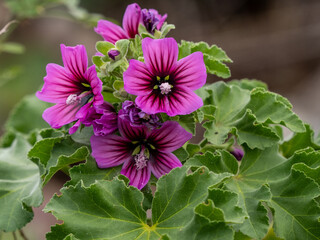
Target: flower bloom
{"x":136,"y":117}
{"x":140,"y":150}
{"x":74,"y":88}
{"x":103,"y":118}
{"x":133,"y":16}
{"x":162,"y":83}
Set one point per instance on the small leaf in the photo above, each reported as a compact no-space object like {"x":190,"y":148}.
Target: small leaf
{"x":192,"y":149}
{"x":118,"y":85}
{"x":217,"y":68}
{"x":89,"y":172}
{"x":266,"y":106}
{"x":122,"y":45}
{"x":188,"y":123}
{"x":181,"y":154}
{"x":220,"y":162}
{"x":104,"y":47}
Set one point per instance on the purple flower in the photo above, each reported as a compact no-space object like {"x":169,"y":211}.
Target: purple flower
{"x":138,"y":118}
{"x":103,"y":118}
{"x":162,"y":83}
{"x":113,"y":54}
{"x":237,"y":153}
{"x":133,"y":16}
{"x":74,"y":88}
{"x":152,"y":20}
{"x":140,"y":150}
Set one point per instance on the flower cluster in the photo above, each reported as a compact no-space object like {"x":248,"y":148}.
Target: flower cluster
{"x":131,"y":133}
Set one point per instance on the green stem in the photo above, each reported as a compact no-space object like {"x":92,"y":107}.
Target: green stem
{"x":23,"y":235}
{"x":14,"y":236}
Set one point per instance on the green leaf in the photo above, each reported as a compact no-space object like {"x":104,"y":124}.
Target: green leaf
{"x":255,"y":135}
{"x":27,"y":115}
{"x":188,"y":123}
{"x":105,"y":203}
{"x":313,"y":173}
{"x":20,"y":185}
{"x":176,"y":196}
{"x":248,"y":84}
{"x":104,"y":47}
{"x":118,"y":85}
{"x":229,"y":101}
{"x":42,"y":149}
{"x":192,"y":149}
{"x":296,"y":213}
{"x":299,"y":141}
{"x":201,"y":228}
{"x":111,"y":203}
{"x":213,"y":51}
{"x":266,"y":106}
{"x":217,"y":68}
{"x":181,"y":154}
{"x":166,"y":28}
{"x":220,"y":162}
{"x":122,"y":45}
{"x":222,"y":207}
{"x":79,"y":155}
{"x":89,"y":172}
{"x":257,"y":223}
{"x":213,"y":57}
{"x":83,"y":135}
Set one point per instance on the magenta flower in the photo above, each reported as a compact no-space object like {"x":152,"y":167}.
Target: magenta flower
{"x":140,"y":150}
{"x":133,"y":16}
{"x":74,"y":88}
{"x":103,"y":118}
{"x":162,"y":83}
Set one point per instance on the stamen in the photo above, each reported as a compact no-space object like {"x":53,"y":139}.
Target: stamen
{"x":165,"y":88}
{"x":141,"y":160}
{"x":72,"y":99}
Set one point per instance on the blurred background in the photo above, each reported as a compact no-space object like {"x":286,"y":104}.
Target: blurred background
{"x":277,"y":42}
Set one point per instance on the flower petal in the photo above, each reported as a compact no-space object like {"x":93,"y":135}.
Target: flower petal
{"x":110,"y":31}
{"x":131,"y":19}
{"x":169,"y":137}
{"x":95,"y":83}
{"x":162,"y":19}
{"x":191,"y":71}
{"x":182,"y":101}
{"x":58,"y":85}
{"x":160,"y":55}
{"x":75,"y":127}
{"x":75,"y":60}
{"x":154,"y":102}
{"x":110,"y":150}
{"x":138,"y":178}
{"x":137,"y":78}
{"x":162,"y":163}
{"x":60,"y":114}
{"x":129,"y":132}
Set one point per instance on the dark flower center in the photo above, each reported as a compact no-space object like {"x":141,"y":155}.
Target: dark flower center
{"x":163,"y":85}
{"x":84,"y":97}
